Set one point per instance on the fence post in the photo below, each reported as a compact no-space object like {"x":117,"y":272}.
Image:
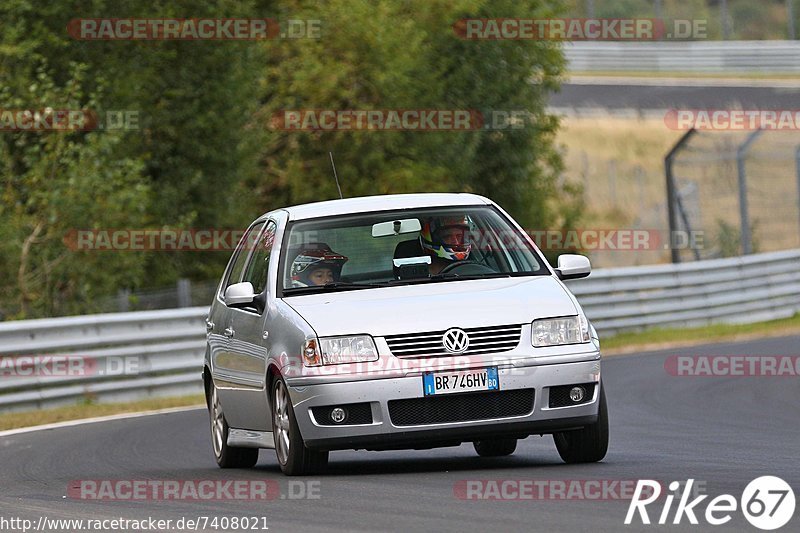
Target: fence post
{"x":797,"y":166}
{"x":639,"y":174}
{"x":184,"y":293}
{"x":671,"y":193}
{"x":723,"y":15}
{"x":744,"y":214}
{"x":612,"y":181}
{"x":123,"y":300}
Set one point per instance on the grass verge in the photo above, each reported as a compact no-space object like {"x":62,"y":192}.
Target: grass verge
{"x":91,"y":410}
{"x":673,"y":338}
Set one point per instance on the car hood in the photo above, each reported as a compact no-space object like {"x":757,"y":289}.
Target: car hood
{"x":434,"y":306}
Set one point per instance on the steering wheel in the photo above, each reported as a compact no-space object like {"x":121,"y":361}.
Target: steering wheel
{"x":469,"y":268}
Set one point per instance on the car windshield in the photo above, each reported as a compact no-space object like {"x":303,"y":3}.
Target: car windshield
{"x":404,"y":247}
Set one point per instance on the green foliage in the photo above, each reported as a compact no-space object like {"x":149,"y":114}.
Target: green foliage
{"x":405,"y":55}
{"x":728,"y":238}
{"x":204,"y":155}
{"x":192,"y":101}
{"x":55,"y":183}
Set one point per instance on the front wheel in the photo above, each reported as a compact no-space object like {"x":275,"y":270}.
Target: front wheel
{"x":293,"y":456}
{"x":226,"y":456}
{"x":587,"y":445}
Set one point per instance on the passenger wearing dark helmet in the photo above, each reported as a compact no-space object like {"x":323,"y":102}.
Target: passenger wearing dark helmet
{"x":316,"y":265}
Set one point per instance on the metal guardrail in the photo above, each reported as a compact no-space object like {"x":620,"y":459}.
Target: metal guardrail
{"x":167,"y":345}
{"x":117,"y":357}
{"x":744,"y":289}
{"x":777,"y":57}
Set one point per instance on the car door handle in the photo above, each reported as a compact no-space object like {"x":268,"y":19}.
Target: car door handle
{"x":229,"y":332}
{"x":209,"y":325}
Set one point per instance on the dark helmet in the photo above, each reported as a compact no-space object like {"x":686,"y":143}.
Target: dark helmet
{"x":313,"y":257}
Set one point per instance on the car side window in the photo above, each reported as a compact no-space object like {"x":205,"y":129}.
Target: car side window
{"x":242,"y":252}
{"x":258,"y":267}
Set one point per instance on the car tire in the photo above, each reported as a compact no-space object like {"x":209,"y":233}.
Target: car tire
{"x":226,"y":456}
{"x":293,"y":456}
{"x":495,"y":447}
{"x":587,"y":445}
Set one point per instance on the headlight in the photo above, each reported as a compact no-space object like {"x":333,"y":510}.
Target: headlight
{"x":555,"y":331}
{"x":338,"y":350}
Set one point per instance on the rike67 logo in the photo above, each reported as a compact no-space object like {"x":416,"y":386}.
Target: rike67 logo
{"x":767,"y":503}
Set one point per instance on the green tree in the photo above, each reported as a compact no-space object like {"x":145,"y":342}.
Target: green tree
{"x":193,"y":100}
{"x":401,"y":55}
{"x":204,"y":154}
{"x":54,"y":183}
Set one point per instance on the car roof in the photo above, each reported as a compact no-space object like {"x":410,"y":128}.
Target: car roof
{"x":365,"y":204}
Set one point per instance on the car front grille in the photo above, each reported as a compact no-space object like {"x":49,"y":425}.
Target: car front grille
{"x":461,"y":407}
{"x":490,"y":339}
{"x":559,"y":396}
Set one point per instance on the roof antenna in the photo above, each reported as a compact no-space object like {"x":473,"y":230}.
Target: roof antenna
{"x":335,"y":176}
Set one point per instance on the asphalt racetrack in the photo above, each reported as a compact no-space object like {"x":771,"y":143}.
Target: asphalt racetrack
{"x":721,"y":431}
{"x":653,"y":96}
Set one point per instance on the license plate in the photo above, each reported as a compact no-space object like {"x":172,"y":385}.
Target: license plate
{"x":464,"y":381}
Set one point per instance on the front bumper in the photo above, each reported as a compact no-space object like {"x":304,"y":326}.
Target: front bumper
{"x":382,"y":433}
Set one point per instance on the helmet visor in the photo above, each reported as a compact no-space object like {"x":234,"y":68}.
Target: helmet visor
{"x":453,"y":236}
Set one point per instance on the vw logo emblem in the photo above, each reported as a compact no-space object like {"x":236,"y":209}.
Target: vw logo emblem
{"x":455,"y":340}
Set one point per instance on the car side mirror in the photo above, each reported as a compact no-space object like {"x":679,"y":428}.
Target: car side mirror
{"x":239,"y":293}
{"x":573,"y":266}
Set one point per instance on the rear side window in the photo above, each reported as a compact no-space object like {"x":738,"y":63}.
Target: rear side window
{"x":242,"y":252}
{"x":258,"y":267}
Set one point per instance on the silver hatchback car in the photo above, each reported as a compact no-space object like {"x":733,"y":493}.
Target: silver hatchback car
{"x":398,"y":322}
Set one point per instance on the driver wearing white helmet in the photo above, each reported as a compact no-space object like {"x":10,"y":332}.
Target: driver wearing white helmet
{"x":446,"y":239}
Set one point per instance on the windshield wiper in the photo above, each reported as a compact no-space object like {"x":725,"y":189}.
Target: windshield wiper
{"x":336,"y":285}
{"x":454,"y":276}
{"x":448,"y":276}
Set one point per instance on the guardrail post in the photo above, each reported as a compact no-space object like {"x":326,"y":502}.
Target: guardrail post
{"x":671,"y":192}
{"x":744,"y":214}
{"x":184,"y":293}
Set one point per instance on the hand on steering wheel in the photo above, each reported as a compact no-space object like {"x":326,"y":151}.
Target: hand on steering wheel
{"x":453,"y":266}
